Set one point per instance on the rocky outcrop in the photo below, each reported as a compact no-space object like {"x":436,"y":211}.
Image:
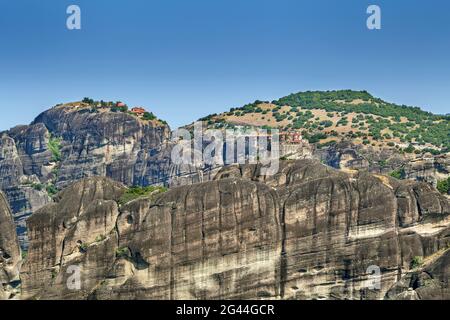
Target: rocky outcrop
{"x":9,"y":252}
{"x":19,"y":161}
{"x":349,"y":156}
{"x":430,"y":169}
{"x":308,"y":232}
{"x":75,"y":141}
{"x":86,"y":142}
{"x":429,"y":282}
{"x":113,"y":144}
{"x":79,"y":230}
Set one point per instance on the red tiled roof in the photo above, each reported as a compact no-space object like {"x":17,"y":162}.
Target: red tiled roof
{"x":138,"y":110}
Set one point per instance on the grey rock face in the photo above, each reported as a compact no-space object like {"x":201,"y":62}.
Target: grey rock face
{"x":11,"y":169}
{"x":24,"y":200}
{"x":22,"y":197}
{"x":346,"y":155}
{"x":117,"y":145}
{"x":429,"y":282}
{"x":32,"y":146}
{"x":309,"y":232}
{"x":9,"y":251}
{"x":430,"y":169}
{"x":83,"y":216}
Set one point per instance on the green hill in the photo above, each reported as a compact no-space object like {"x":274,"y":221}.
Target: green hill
{"x":325,"y":116}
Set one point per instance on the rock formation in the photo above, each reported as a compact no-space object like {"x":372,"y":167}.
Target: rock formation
{"x":9,"y":252}
{"x":74,"y":141}
{"x":308,"y":232}
{"x":348,"y":156}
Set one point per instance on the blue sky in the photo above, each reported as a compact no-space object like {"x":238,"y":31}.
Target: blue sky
{"x":185,"y":59}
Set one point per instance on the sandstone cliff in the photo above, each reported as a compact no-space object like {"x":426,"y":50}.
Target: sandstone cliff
{"x":9,"y":252}
{"x":309,"y":232}
{"x":74,"y":141}
{"x":349,"y":156}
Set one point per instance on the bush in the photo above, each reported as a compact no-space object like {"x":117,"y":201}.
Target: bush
{"x":122,"y":252}
{"x":54,"y":145}
{"x":316,"y":137}
{"x":137,"y":192}
{"x":83,"y":247}
{"x":398,"y":174}
{"x":119,"y":109}
{"x":444,"y":186}
{"x":38,"y":186}
{"x":326,"y":123}
{"x":416,"y":262}
{"x":148,"y":116}
{"x":51,"y":190}
{"x":409,"y":149}
{"x":88,"y":100}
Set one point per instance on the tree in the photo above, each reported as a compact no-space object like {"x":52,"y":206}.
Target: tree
{"x":54,"y":145}
{"x":88,"y":100}
{"x":409,"y":149}
{"x":148,"y":116}
{"x":398,"y":174}
{"x":444,"y":186}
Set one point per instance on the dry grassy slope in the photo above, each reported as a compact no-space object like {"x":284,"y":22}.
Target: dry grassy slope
{"x":332,"y":124}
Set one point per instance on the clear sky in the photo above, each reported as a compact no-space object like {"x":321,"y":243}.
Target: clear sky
{"x":185,"y":59}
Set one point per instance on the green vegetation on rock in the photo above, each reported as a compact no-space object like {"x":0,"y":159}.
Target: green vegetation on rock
{"x":398,"y":174}
{"x":416,"y":262}
{"x":54,"y":145}
{"x":138,"y":192}
{"x":371,"y":116}
{"x":444,"y":186}
{"x":148,"y":116}
{"x":51,"y":189}
{"x":122,"y":252}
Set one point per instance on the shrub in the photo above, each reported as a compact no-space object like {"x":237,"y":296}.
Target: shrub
{"x":137,"y":192}
{"x":444,"y":186}
{"x":326,"y":123}
{"x":416,"y":262}
{"x":88,"y":100}
{"x":38,"y":186}
{"x":122,"y":252}
{"x":54,"y":145}
{"x":148,"y":116}
{"x":398,"y":174}
{"x":119,"y":109}
{"x":83,"y":247}
{"x":316,"y":137}
{"x":51,"y":190}
{"x":409,"y":149}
